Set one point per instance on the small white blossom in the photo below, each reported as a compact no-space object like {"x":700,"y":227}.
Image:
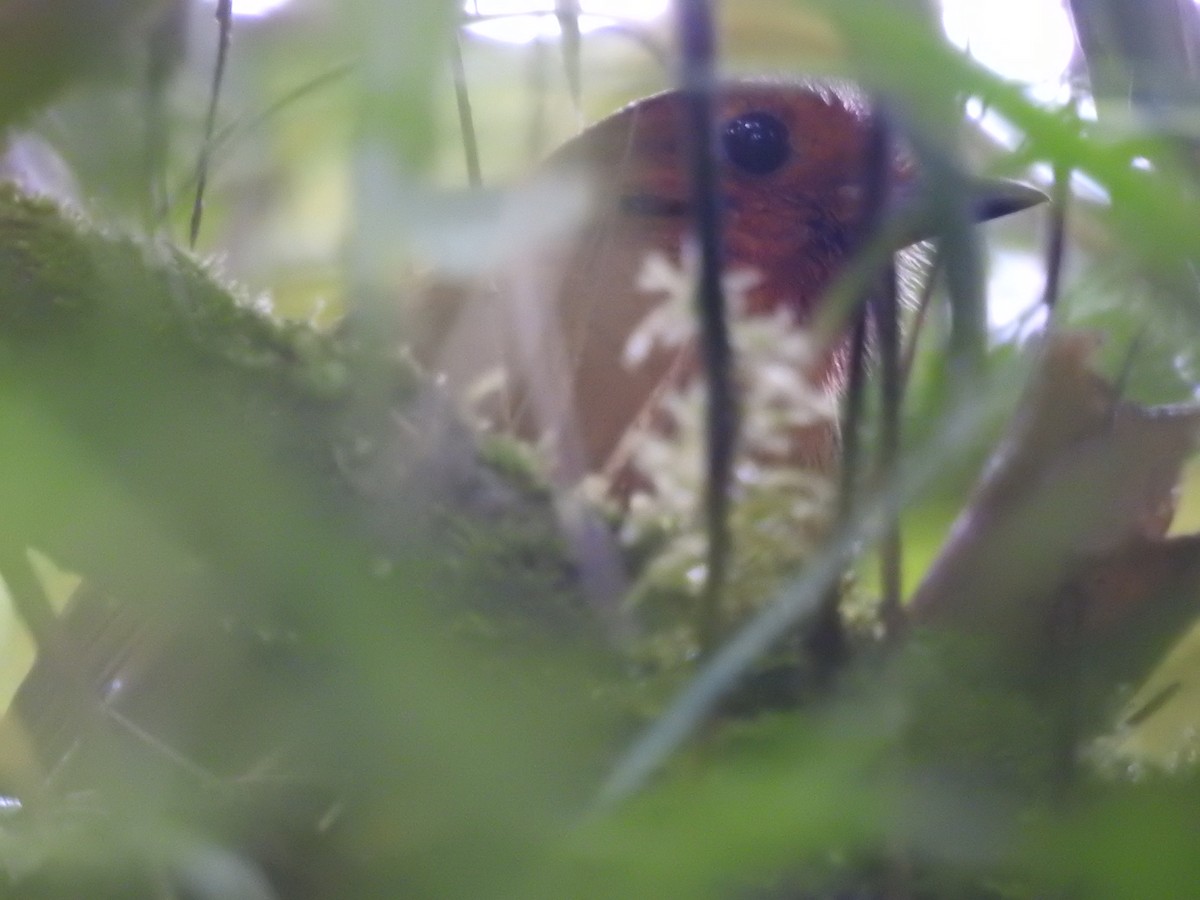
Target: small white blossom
{"x":780,"y":510}
{"x":672,"y":322}
{"x":261,"y":303}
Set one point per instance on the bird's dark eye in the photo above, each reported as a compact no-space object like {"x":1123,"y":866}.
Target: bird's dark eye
{"x":756,"y":142}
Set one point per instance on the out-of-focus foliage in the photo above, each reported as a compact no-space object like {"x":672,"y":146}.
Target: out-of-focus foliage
{"x":340,"y":650}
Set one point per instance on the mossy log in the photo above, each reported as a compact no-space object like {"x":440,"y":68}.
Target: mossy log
{"x":264,"y":552}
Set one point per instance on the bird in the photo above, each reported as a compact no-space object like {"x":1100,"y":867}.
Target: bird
{"x":792,"y":161}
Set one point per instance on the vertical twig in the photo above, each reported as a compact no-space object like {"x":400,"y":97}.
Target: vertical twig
{"x":959,"y":246}
{"x":945,"y":201}
{"x":852,"y":415}
{"x":826,"y":640}
{"x":1060,"y":193}
{"x":697,"y":50}
{"x":224,"y":16}
{"x":886,"y":314}
{"x":466,"y":120}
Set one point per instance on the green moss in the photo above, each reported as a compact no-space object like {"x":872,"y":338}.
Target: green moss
{"x":974,"y":719}
{"x":183,"y":393}
{"x":514,"y":460}
{"x":47,"y":282}
{"x":514,"y":566}
{"x":70,"y":285}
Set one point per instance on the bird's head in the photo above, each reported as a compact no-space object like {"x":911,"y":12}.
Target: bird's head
{"x":793,"y":166}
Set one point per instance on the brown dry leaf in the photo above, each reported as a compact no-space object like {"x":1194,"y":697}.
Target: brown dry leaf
{"x":1072,"y":509}
{"x":1120,"y":586}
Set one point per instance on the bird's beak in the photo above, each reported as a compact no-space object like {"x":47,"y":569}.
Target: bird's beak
{"x":988,"y":198}
{"x":992,"y":198}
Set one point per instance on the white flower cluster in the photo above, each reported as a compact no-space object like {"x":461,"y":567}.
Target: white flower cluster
{"x":781,"y":509}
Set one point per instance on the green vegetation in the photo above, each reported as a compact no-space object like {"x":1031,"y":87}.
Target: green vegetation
{"x":332,"y":642}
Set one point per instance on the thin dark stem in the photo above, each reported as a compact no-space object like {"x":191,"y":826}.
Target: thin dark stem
{"x":228,"y":135}
{"x":697,"y":46}
{"x":964,"y":286}
{"x":826,"y":640}
{"x":1060,"y":194}
{"x":886,"y":313}
{"x":877,"y":188}
{"x":1121,"y":381}
{"x":852,"y":415}
{"x":466,"y":121}
{"x":946,"y":192}
{"x":224,"y":17}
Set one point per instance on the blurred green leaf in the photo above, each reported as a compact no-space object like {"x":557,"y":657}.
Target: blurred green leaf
{"x":45,"y":44}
